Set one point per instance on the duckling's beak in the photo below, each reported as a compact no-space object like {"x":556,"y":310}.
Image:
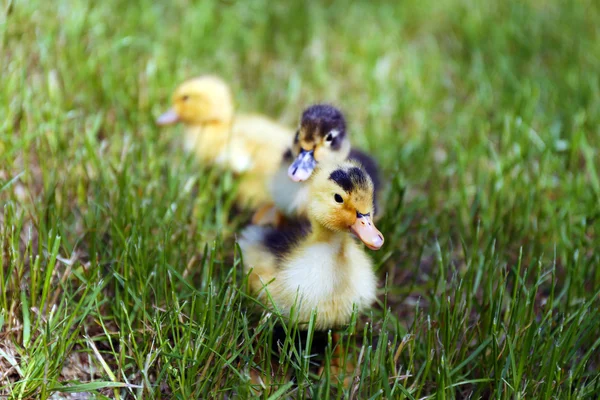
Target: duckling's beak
{"x":168,"y":118}
{"x":366,"y":231}
{"x":303,"y":166}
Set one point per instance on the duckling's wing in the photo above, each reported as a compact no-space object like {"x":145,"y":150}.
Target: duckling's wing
{"x":236,"y":157}
{"x":257,"y":257}
{"x":281,"y":241}
{"x":265,"y":248}
{"x":260,"y":140}
{"x":260,"y":129}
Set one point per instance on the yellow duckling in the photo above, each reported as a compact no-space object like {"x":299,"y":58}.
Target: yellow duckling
{"x":321,"y":139}
{"x":319,"y":266}
{"x":248,"y":145}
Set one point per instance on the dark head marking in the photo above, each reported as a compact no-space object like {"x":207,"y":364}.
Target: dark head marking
{"x":336,"y":142}
{"x":321,"y":119}
{"x":358,"y":177}
{"x":370,"y":166}
{"x":343,"y":180}
{"x":351,"y":179}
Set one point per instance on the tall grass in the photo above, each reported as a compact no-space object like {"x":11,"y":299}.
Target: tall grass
{"x":120,"y":275}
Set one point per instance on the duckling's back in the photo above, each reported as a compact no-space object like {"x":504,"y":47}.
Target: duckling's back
{"x":264,"y":141}
{"x":265,"y":248}
{"x":278,"y":242}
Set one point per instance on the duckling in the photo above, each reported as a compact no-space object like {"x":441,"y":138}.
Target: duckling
{"x":248,"y":145}
{"x":320,"y":139}
{"x":318,"y":265}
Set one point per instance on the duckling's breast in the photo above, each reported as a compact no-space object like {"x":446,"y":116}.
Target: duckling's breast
{"x":326,"y":282}
{"x":289,"y":197}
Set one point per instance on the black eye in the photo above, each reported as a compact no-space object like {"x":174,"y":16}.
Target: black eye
{"x":185,"y":98}
{"x":297,"y":137}
{"x":329,"y":138}
{"x":338,"y":198}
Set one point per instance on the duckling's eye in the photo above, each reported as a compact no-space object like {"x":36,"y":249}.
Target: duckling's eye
{"x":329,"y":138}
{"x":297,"y":137}
{"x":185,"y":98}
{"x":338,"y":198}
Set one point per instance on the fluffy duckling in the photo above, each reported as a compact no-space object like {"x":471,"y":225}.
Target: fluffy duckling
{"x":319,"y":265}
{"x":321,"y":139}
{"x":248,"y":145}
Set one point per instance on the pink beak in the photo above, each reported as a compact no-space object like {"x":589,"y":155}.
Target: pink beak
{"x":168,"y":118}
{"x":366,"y":231}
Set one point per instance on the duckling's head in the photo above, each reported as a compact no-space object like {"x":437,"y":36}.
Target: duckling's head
{"x":321,"y":138}
{"x":198,"y":101}
{"x":341,"y":199}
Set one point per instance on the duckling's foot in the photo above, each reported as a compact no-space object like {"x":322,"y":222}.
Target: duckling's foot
{"x":339,"y":371}
{"x":257,"y":381}
{"x":267,"y":215}
{"x":340,"y":368}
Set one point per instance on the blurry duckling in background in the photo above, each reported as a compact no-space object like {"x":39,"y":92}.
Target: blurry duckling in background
{"x":248,"y":145}
{"x":320,"y":140}
{"x":319,"y":266}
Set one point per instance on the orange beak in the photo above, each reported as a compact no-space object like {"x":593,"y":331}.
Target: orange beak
{"x":365,"y":230}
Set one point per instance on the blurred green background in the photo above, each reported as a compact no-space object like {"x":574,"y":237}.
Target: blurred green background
{"x":484,"y":117}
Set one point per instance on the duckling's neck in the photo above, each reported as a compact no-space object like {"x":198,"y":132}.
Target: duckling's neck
{"x":218,"y":124}
{"x":344,"y":151}
{"x":338,"y":240}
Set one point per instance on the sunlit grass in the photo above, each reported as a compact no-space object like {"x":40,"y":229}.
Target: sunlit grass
{"x":120,"y":275}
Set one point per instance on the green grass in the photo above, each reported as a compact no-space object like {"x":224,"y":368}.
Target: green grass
{"x":120,"y":275}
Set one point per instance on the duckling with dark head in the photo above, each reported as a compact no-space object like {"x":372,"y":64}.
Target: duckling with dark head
{"x":320,"y":140}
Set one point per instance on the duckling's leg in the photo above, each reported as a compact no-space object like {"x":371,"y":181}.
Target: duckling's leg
{"x":340,"y":367}
{"x":258,"y":379}
{"x":268,"y":215}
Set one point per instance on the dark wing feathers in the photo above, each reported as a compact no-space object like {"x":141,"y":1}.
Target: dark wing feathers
{"x":280,"y":241}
